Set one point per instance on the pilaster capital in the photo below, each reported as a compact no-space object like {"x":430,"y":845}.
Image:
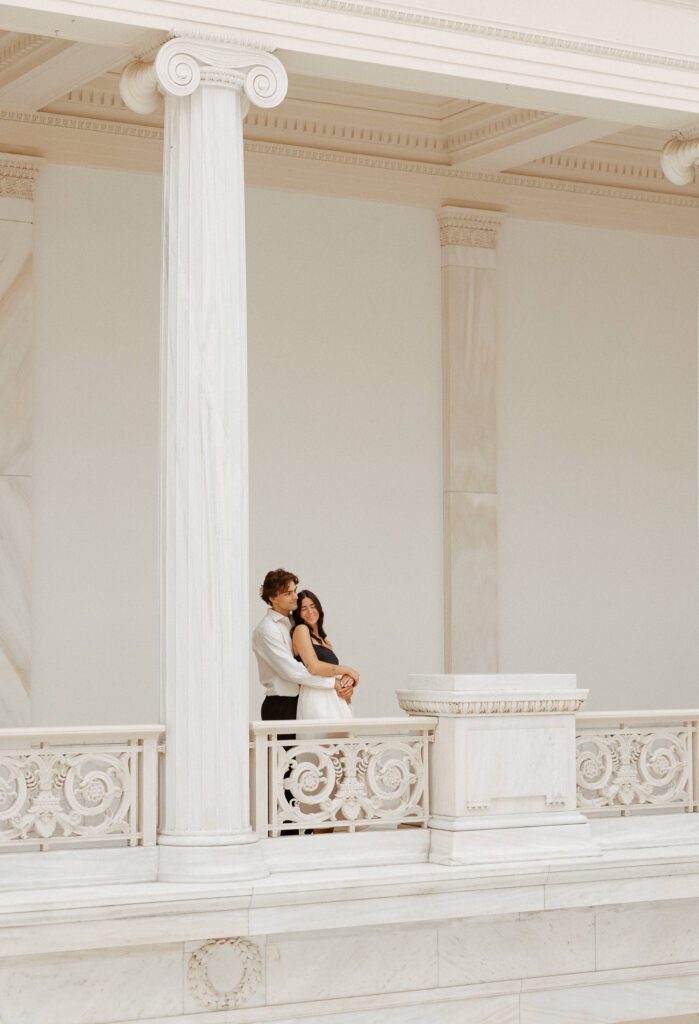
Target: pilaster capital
{"x":182,"y":63}
{"x":460,"y":225}
{"x":18,"y":175}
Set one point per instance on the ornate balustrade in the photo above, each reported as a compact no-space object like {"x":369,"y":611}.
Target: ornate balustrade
{"x":78,"y":787}
{"x":634,"y":761}
{"x":368,"y":772}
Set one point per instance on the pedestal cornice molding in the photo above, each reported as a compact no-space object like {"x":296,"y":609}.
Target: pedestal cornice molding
{"x":474,"y":228}
{"x":18,"y":175}
{"x":532,"y":703}
{"x":182,"y":63}
{"x":679,"y":158}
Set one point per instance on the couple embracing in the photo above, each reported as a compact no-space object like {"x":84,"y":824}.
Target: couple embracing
{"x":298,"y":667}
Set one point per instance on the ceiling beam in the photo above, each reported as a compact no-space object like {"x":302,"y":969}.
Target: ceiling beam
{"x":67,"y":66}
{"x":517,"y":137}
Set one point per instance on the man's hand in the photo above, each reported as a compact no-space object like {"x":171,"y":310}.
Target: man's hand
{"x":345,"y":688}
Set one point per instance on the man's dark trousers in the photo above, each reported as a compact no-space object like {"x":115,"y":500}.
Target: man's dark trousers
{"x":274,"y":709}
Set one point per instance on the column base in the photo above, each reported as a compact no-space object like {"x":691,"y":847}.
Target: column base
{"x":570,"y":839}
{"x":221,"y":859}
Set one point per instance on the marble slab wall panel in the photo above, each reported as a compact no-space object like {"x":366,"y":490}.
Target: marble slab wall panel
{"x":351,"y":963}
{"x":661,"y":933}
{"x":517,"y":946}
{"x":92,"y":988}
{"x":16,"y":300}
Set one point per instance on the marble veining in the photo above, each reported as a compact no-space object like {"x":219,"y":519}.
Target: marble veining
{"x":92,"y":989}
{"x":331,"y":965}
{"x":15,"y":348}
{"x":516,"y":946}
{"x":659,"y":933}
{"x":16,"y":301}
{"x":600,"y":1004}
{"x":15,"y":614}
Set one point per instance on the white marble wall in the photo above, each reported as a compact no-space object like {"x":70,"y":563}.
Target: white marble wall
{"x":16,"y":302}
{"x":509,"y":968}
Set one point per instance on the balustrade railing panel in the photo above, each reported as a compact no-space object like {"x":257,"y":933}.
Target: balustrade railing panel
{"x":82,"y":786}
{"x":637,"y":761}
{"x":366,"y":773}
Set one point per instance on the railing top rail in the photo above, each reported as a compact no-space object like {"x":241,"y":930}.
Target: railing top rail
{"x":87,"y":733}
{"x":415,"y":723}
{"x":637,"y":716}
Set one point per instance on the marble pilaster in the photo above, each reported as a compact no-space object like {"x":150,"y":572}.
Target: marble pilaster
{"x":17,"y":177}
{"x":205,"y":830}
{"x":468,"y":239}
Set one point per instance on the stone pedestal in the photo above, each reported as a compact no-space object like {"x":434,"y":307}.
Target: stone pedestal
{"x":205,"y":828}
{"x":502,"y":768}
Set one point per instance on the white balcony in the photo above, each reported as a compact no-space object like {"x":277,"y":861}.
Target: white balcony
{"x":451,"y":850}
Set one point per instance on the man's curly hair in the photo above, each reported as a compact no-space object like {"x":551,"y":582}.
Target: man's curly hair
{"x":275,"y":582}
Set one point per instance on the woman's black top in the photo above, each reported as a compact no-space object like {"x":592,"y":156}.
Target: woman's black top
{"x":323,"y":653}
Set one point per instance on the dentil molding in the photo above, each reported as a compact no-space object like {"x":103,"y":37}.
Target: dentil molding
{"x":247,"y":972}
{"x":18,"y":175}
{"x":474,"y":228}
{"x":182,"y":63}
{"x":497,"y":178}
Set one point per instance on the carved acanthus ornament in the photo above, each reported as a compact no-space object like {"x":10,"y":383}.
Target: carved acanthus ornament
{"x":468,"y":227}
{"x":66,"y":794}
{"x":647,"y":766}
{"x":679,"y":158}
{"x":182,"y":64}
{"x":18,"y":175}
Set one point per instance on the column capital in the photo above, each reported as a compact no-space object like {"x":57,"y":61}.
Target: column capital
{"x":679,"y":157}
{"x":18,"y":175}
{"x":460,"y":225}
{"x":468,"y":237}
{"x":182,"y":63}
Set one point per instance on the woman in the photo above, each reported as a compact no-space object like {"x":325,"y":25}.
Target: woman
{"x":311,"y":646}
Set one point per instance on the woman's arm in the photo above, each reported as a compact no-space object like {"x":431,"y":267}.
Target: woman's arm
{"x":303,"y":646}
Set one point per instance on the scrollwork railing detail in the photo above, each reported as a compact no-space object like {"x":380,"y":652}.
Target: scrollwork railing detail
{"x":52,"y":792}
{"x":635,"y":766}
{"x":342,"y":781}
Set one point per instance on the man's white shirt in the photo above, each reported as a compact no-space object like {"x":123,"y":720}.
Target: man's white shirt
{"x":280,"y":673}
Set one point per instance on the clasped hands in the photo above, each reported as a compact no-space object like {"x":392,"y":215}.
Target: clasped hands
{"x":345,"y":686}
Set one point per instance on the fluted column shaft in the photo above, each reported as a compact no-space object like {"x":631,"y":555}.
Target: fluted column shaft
{"x":205,"y":827}
{"x":468,"y":239}
{"x":204,"y":482}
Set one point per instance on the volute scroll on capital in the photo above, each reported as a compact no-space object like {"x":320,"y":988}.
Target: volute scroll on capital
{"x":182,"y":63}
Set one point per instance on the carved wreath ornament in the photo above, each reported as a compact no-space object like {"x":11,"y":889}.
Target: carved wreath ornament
{"x":202,"y":988}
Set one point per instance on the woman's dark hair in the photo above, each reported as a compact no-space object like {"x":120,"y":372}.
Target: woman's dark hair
{"x":296,"y":614}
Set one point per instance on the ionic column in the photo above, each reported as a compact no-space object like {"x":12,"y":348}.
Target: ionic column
{"x":205,"y":831}
{"x":468,"y":239}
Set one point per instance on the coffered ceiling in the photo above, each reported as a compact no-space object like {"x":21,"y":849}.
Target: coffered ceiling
{"x":60,"y":100}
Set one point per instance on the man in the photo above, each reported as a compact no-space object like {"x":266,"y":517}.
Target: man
{"x":280,"y":673}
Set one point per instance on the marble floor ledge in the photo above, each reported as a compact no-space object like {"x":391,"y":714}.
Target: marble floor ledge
{"x":394,"y":894}
{"x":411,"y":1006}
{"x":489,"y":1003}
